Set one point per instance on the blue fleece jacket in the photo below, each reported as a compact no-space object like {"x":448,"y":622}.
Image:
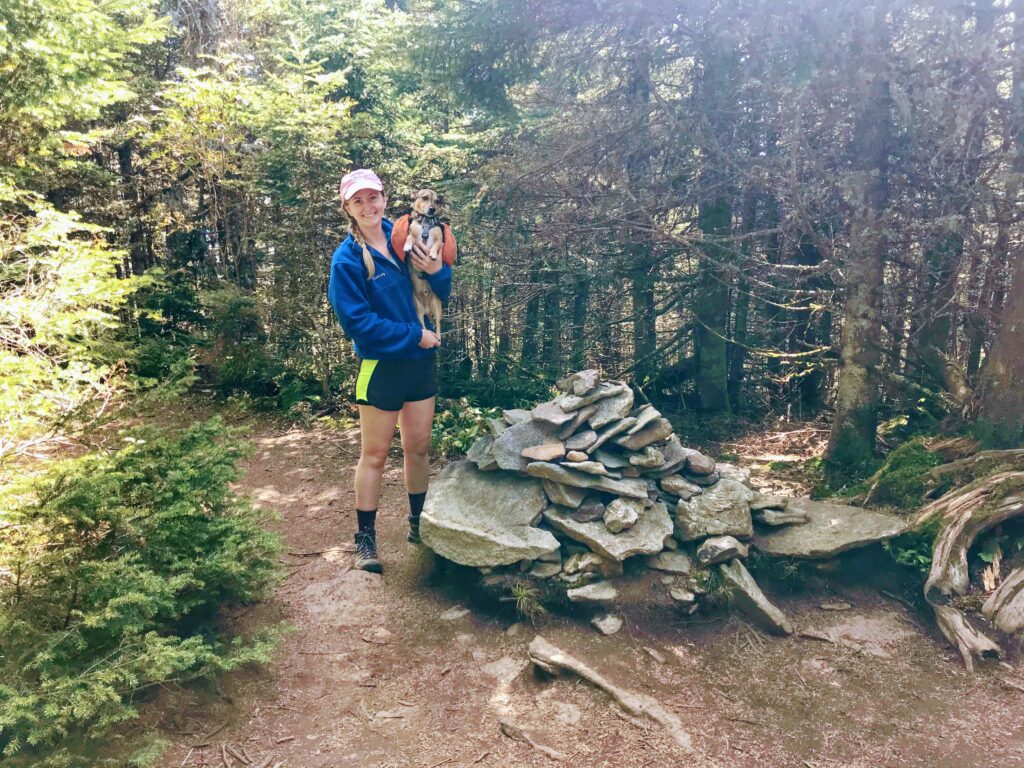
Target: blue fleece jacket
{"x":379,"y":315}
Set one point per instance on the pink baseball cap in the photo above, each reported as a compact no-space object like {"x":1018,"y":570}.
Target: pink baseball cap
{"x":362,"y":178}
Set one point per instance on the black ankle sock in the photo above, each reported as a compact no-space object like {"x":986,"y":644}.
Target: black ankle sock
{"x":416,"y":504}
{"x":366,"y":519}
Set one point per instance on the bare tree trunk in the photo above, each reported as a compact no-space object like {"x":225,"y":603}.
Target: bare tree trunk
{"x":579,"y":322}
{"x":1001,"y":387}
{"x":851,"y":444}
{"x":531,"y":318}
{"x":551,"y":333}
{"x":714,"y":217}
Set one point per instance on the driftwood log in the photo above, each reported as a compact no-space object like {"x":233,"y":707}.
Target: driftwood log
{"x":962,"y":515}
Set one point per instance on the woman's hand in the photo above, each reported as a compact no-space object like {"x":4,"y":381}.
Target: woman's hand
{"x":429,"y":339}
{"x":421,"y":260}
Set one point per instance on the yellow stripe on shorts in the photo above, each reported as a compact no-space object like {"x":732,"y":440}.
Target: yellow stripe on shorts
{"x":363,"y":382}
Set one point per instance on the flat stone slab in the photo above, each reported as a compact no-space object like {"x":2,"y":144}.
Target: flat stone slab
{"x":480,"y":453}
{"x":612,"y":408}
{"x":589,"y":467}
{"x":675,"y":458}
{"x":644,"y":416}
{"x":670,"y":562}
{"x":720,"y":511}
{"x":768,"y":501}
{"x":634,"y":488}
{"x":483,"y":519}
{"x":516,"y":415}
{"x":749,"y":598}
{"x":510,"y":444}
{"x":829,"y":530}
{"x":659,"y":429}
{"x":732,"y":472}
{"x":551,"y":413}
{"x":544,"y":452}
{"x":602,"y":391}
{"x":646,"y":537}
{"x":564,"y":495}
{"x":775,"y":517}
{"x":697,"y":463}
{"x":579,"y":418}
{"x":720,"y":549}
{"x":599,"y":592}
{"x":648,"y":458}
{"x":580,"y":383}
{"x":610,"y":459}
{"x":581,"y":442}
{"x":610,"y":430}
{"x":679,"y":486}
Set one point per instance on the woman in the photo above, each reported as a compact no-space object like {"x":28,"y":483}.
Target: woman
{"x":371,"y":294}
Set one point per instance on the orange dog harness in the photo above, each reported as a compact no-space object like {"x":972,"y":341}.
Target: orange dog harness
{"x":400,"y":232}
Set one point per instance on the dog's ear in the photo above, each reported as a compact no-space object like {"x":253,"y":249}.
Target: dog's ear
{"x":440,"y":200}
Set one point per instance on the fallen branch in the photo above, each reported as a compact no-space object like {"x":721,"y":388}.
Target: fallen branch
{"x":205,"y":741}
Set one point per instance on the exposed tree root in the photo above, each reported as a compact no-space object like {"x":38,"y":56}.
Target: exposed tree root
{"x":1005,"y":606}
{"x":552,"y":659}
{"x":962,"y":515}
{"x":965,"y":470}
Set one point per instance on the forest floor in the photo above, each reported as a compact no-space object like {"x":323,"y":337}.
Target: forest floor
{"x":393,"y":670}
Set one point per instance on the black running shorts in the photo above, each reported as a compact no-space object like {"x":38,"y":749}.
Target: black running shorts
{"x":390,"y":384}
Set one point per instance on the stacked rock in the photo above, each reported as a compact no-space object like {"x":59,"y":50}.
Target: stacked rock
{"x":614,"y":483}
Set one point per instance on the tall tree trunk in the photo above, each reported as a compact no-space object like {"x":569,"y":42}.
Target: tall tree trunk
{"x":807,"y":333}
{"x":942,"y":266}
{"x":851,"y":445}
{"x":1001,"y":390}
{"x":531,"y":318}
{"x":640,"y":252}
{"x":714,"y":218}
{"x":579,"y":321}
{"x":741,"y":306}
{"x":499,"y":367}
{"x":551,"y":341}
{"x":711,"y":308}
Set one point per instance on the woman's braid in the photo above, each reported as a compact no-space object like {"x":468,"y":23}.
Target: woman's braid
{"x":353,"y":229}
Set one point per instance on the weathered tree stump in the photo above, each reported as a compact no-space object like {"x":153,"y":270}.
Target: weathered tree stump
{"x":963,"y":514}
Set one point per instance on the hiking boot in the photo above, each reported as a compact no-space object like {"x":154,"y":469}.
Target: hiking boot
{"x":366,"y":552}
{"x":414,"y":530}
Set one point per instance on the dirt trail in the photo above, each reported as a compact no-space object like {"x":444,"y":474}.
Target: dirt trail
{"x":391,"y":671}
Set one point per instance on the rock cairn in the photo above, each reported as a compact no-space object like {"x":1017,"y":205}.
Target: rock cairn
{"x":570,"y":490}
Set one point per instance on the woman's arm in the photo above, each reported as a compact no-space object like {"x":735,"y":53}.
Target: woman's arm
{"x":348,"y":296}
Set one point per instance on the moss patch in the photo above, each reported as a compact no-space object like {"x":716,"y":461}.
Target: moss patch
{"x":901,"y":480}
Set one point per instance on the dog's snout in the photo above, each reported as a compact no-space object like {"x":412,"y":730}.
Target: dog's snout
{"x":431,"y":211}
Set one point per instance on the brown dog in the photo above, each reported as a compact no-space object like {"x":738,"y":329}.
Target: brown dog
{"x":425,"y":226}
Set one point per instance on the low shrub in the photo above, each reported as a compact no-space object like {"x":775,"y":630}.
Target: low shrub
{"x":112,"y":570}
{"x":457,"y":424}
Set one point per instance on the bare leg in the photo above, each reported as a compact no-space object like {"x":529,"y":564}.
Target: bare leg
{"x":376,"y":430}
{"x":415,"y":421}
